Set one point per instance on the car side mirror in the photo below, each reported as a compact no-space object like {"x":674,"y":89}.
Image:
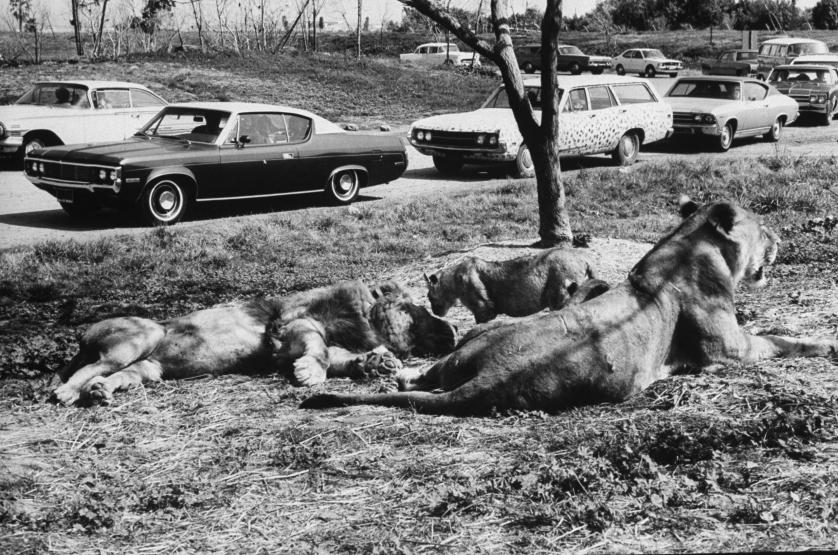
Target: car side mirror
{"x":243,"y":140}
{"x":752,"y":98}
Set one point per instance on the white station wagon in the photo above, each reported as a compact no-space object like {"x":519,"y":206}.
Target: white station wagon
{"x":69,"y":112}
{"x":598,"y":114}
{"x":438,"y":53}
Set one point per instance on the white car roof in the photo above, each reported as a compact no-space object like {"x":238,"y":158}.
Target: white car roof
{"x":567,"y":81}
{"x":245,"y":107}
{"x":792,"y":40}
{"x":815,"y":58}
{"x":92,"y":84}
{"x":436,"y":44}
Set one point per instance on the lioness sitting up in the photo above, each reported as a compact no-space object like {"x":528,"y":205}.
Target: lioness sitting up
{"x":676,"y":309}
{"x":517,"y":287}
{"x":340,"y":330}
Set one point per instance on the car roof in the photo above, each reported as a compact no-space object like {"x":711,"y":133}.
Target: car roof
{"x":731,"y":78}
{"x":435,"y":44}
{"x":804,"y":67}
{"x":815,"y":58}
{"x":92,"y":84}
{"x":791,"y":40}
{"x":743,"y":50}
{"x":566,"y":81}
{"x":247,"y":107}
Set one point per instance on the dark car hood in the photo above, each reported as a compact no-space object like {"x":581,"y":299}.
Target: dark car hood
{"x":131,"y":151}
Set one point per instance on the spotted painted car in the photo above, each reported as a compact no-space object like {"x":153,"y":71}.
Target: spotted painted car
{"x":216,"y":152}
{"x":598,"y":114}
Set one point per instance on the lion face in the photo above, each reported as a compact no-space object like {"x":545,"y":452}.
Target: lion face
{"x":761,"y":252}
{"x":442,"y":298}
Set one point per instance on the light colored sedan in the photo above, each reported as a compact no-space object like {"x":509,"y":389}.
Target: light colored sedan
{"x":646,"y":61}
{"x":720,"y":109}
{"x":69,"y":112}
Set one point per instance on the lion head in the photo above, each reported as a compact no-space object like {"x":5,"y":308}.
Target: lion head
{"x":747,"y":245}
{"x":442,"y":292}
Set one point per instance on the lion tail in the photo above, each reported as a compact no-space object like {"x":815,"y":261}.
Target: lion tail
{"x":421,"y":401}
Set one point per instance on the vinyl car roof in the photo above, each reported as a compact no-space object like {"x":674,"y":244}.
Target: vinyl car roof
{"x":92,"y":84}
{"x":730,"y":78}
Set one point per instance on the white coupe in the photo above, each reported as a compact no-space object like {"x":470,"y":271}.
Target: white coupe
{"x":70,"y":112}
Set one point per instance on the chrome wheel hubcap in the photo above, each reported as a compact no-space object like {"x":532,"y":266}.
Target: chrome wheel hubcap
{"x":628,"y":147}
{"x":345,"y":183}
{"x":167,"y":200}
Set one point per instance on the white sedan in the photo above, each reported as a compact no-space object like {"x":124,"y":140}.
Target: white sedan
{"x":70,"y":112}
{"x":646,"y":61}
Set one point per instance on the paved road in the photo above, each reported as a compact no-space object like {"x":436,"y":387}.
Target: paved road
{"x":28,"y":215}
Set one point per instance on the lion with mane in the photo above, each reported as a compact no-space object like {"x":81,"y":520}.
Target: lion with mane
{"x":343,"y":330}
{"x":676,"y":309}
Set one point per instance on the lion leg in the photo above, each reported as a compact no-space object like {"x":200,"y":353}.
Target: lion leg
{"x":760,"y":347}
{"x":372,"y":364}
{"x":303,"y":341}
{"x":119,"y":342}
{"x":100,"y":389}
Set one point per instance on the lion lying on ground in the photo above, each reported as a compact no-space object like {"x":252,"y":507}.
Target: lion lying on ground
{"x":517,"y":287}
{"x":676,"y":309}
{"x":341,"y":330}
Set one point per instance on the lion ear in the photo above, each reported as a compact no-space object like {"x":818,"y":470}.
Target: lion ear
{"x":723,"y":217}
{"x":431,"y":279}
{"x":687,"y":206}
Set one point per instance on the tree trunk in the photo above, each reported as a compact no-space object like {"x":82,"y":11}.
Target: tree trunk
{"x":77,"y":28}
{"x":358,"y":31}
{"x":98,"y":44}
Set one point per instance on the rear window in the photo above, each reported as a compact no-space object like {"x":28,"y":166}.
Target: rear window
{"x":633,"y":93}
{"x":808,"y":48}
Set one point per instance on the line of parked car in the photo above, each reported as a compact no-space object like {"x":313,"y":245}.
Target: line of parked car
{"x":92,"y":144}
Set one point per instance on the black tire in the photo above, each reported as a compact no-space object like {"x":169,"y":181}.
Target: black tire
{"x":448,"y":62}
{"x":620,"y":69}
{"x":523,"y":166}
{"x":84,"y":206}
{"x":625,"y":154}
{"x":448,"y":165}
{"x":528,"y":67}
{"x":674,"y":75}
{"x":725,"y":139}
{"x":574,"y":68}
{"x":775,"y":132}
{"x":343,"y":187}
{"x":650,"y":71}
{"x":831,"y":111}
{"x":164,"y":202}
{"x":597,"y":71}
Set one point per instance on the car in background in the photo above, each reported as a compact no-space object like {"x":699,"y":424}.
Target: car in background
{"x":646,"y":61}
{"x":814,"y":87}
{"x":439,"y":53}
{"x":719,"y":109}
{"x":598,"y":114}
{"x":70,"y":112}
{"x":783,"y":50}
{"x":215,"y":152}
{"x":820,"y":59}
{"x":569,"y":58}
{"x":733,"y":62}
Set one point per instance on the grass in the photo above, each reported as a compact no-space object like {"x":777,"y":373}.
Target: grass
{"x":734,"y":459}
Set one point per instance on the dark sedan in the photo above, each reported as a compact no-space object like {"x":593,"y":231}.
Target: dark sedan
{"x":216,"y":152}
{"x":733,"y":62}
{"x":813,"y":86}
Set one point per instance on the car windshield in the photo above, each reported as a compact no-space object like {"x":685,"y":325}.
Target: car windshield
{"x":192,"y":124}
{"x":569,"y":50}
{"x":806,"y":75}
{"x":60,"y":95}
{"x":653,"y":54}
{"x":747,"y":55}
{"x":726,"y":90}
{"x":500,"y":100}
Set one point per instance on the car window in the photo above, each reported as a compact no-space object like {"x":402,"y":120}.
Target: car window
{"x":633,"y":93}
{"x":569,"y":50}
{"x":727,"y":56}
{"x":600,"y":98}
{"x":263,"y":129}
{"x":192,"y":124}
{"x":699,"y":88}
{"x":747,"y":56}
{"x":500,"y":99}
{"x":143,"y":99}
{"x":755,"y":91}
{"x":299,"y":127}
{"x":104,"y":99}
{"x":56,"y":94}
{"x":812,"y":48}
{"x":577,"y":101}
{"x":637,"y":54}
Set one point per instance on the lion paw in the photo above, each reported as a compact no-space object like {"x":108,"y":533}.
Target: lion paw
{"x":378,"y":364}
{"x":309,"y":371}
{"x":96,"y":392}
{"x":66,"y":394}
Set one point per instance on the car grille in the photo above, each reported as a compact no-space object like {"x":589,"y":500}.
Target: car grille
{"x":453,"y":138}
{"x":70,"y":172}
{"x":682,"y":118}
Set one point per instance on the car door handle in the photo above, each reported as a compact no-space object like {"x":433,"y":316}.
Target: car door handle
{"x":287,"y":155}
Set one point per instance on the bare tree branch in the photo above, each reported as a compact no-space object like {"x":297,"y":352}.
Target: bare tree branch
{"x":429,"y":10}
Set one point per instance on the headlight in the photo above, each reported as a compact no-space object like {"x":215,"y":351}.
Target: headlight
{"x":34,"y":167}
{"x":481,"y":139}
{"x":420,"y":135}
{"x":41,"y":167}
{"x":706,"y":119}
{"x":817,"y":98}
{"x":2,"y":130}
{"x":103,"y":175}
{"x":493,"y":140}
{"x":113,"y":175}
{"x":427,"y":135}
